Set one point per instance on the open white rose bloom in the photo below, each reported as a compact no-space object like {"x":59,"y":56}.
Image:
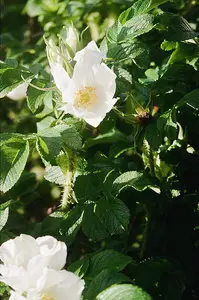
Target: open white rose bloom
{"x":89,"y":92}
{"x":33,"y":269}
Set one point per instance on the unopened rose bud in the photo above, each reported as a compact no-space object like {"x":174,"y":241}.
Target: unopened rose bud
{"x":155,"y":110}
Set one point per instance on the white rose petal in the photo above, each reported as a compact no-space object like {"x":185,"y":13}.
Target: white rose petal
{"x":60,"y":76}
{"x":54,"y":285}
{"x":16,"y":277}
{"x":60,"y":285}
{"x":19,"y":92}
{"x":16,"y":296}
{"x":54,"y":250}
{"x":90,"y":55}
{"x":19,"y":251}
{"x":22,"y":280}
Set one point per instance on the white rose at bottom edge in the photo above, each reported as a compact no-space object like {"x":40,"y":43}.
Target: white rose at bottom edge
{"x":54,"y":285}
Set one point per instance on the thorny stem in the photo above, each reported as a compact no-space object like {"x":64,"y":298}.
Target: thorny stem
{"x":68,"y":193}
{"x":68,"y":190}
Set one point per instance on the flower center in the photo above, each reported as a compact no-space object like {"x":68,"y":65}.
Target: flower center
{"x":45,"y":297}
{"x":85,"y":97}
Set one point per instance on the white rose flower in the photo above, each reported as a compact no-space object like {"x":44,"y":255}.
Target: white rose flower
{"x":32,"y":269}
{"x":89,"y":93}
{"x":19,"y":92}
{"x":53,"y":285}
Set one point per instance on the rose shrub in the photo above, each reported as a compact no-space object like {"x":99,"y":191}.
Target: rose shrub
{"x":99,"y":156}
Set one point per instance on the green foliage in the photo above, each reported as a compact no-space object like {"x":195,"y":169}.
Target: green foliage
{"x":123,"y":196}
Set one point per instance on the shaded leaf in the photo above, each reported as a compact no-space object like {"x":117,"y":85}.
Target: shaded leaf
{"x":108,"y":259}
{"x":150,"y":271}
{"x":92,"y":226}
{"x":114,"y":215}
{"x":180,"y":30}
{"x":192,"y":99}
{"x":110,"y":137}
{"x":89,"y":185}
{"x":79,"y":267}
{"x":137,"y":180}
{"x":71,"y":224}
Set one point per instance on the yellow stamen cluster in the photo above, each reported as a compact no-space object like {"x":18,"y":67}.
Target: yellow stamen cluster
{"x":85,"y":97}
{"x":45,"y":297}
